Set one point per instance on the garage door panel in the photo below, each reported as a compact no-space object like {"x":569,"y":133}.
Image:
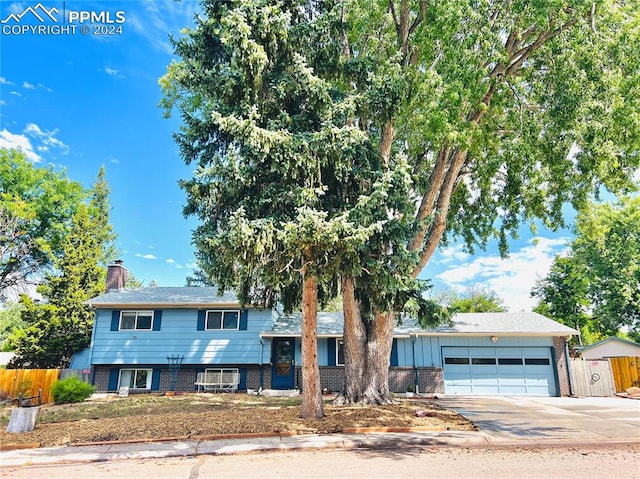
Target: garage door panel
{"x":485,"y":390}
{"x":495,"y":370}
{"x":514,"y":390}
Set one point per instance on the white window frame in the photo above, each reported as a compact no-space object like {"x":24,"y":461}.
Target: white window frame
{"x":223,"y":312}
{"x":138,"y":313}
{"x":219,"y":379}
{"x":339,"y":343}
{"x":136,"y":370}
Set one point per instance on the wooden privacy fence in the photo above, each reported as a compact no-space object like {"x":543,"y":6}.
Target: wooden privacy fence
{"x":29,"y":381}
{"x":591,"y":377}
{"x":626,"y":372}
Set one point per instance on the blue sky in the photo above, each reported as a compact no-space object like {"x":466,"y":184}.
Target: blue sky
{"x":79,"y":101}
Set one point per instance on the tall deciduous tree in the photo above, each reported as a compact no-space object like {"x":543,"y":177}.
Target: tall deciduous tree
{"x":474,"y":299}
{"x":563,"y":294}
{"x":504,"y":111}
{"x":596,"y":288}
{"x":36,"y":207}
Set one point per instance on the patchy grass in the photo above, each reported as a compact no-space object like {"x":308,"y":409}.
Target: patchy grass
{"x":143,"y":417}
{"x":137,"y":405}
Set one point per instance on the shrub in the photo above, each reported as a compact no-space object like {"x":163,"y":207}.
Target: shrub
{"x":71,"y":389}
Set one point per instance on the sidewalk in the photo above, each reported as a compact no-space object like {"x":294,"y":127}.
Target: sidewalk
{"x":158,"y":450}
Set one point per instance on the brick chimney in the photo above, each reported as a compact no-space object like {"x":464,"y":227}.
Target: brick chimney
{"x":116,"y":275}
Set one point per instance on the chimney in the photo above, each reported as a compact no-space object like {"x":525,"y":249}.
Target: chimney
{"x":116,"y":275}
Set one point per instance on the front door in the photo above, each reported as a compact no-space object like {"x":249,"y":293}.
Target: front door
{"x":282,"y":358}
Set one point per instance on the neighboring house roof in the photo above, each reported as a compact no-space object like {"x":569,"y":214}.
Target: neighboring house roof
{"x":506,"y":324}
{"x":165,"y":297}
{"x":609,"y":341}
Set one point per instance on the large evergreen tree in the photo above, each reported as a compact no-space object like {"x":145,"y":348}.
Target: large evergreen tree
{"x":349,"y":138}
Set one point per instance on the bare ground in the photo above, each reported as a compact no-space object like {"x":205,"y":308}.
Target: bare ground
{"x":207,"y":415}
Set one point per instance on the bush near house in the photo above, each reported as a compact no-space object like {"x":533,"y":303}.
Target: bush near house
{"x":71,"y":389}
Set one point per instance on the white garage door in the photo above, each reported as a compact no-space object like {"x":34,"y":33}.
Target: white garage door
{"x":500,"y":371}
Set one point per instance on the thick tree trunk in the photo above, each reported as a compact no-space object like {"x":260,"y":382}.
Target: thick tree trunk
{"x":367,"y":351}
{"x":355,"y":339}
{"x":378,"y":359}
{"x":311,"y":390}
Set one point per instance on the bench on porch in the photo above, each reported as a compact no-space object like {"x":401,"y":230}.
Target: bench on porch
{"x":218,"y":380}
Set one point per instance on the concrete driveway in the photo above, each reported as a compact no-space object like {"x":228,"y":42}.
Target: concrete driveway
{"x":509,"y":418}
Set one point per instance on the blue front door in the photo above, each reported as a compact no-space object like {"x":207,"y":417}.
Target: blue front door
{"x":283,"y":369}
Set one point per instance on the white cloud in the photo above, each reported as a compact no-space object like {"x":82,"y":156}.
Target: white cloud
{"x":171,"y":261}
{"x":110,"y":71}
{"x":15,"y":93}
{"x":47,"y":138}
{"x":18,"y":142}
{"x":113,"y":160}
{"x":146,"y":256}
{"x":452,"y":253}
{"x":159,"y":19}
{"x":513,"y":277}
{"x":4,"y":81}
{"x":44,"y":87}
{"x":28,"y":86}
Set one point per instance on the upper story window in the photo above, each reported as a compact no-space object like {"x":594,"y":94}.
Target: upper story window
{"x":218,"y":320}
{"x":136,"y":320}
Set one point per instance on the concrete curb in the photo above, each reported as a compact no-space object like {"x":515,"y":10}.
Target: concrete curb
{"x":191,"y":447}
{"x":122,"y":451}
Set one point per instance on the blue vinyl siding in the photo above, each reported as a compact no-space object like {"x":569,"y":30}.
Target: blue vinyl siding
{"x":179,"y":335}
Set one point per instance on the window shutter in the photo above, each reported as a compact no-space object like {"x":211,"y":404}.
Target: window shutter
{"x":331,"y":351}
{"x":394,"y":353}
{"x":157,"y":319}
{"x":201,"y":315}
{"x":155,"y":380}
{"x":115,"y":319}
{"x":243,"y":379}
{"x":113,"y":379}
{"x":244,"y":319}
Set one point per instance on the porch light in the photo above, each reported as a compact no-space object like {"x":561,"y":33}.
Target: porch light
{"x":494,"y":339}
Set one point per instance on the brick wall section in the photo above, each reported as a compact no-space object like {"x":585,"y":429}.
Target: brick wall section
{"x":186,"y":378}
{"x":101,"y":378}
{"x":430,"y":380}
{"x":562,"y":365}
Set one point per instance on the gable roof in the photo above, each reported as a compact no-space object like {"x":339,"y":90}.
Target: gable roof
{"x":514,"y":324}
{"x":581,"y":349}
{"x":165,"y":297}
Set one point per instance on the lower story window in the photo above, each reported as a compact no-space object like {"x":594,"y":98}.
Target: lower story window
{"x":340,"y":352}
{"x":135,"y":378}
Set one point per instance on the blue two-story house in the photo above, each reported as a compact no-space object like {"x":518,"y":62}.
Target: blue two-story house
{"x":138,"y":332}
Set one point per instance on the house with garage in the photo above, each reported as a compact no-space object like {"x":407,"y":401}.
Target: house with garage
{"x":186,"y":338}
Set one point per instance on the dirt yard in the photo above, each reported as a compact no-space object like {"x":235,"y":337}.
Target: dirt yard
{"x":206,"y":415}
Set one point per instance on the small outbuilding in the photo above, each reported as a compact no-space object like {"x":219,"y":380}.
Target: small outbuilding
{"x":612,"y":347}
